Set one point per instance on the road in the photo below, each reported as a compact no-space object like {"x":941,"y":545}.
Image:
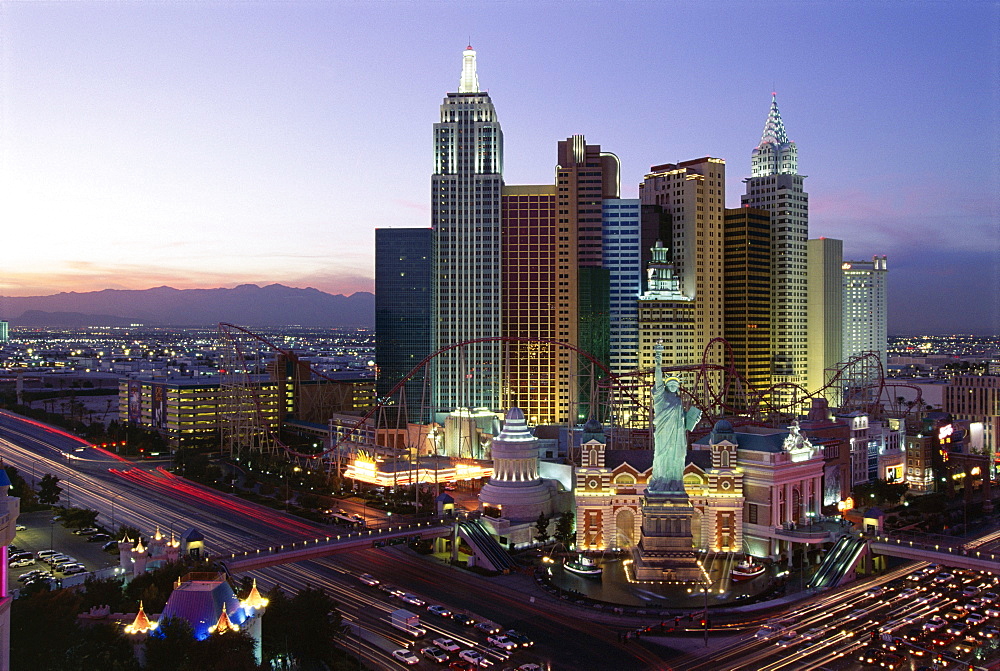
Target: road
{"x":148,"y":498}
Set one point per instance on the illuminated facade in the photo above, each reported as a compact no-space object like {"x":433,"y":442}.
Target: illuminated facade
{"x":865,"y":323}
{"x":693,"y":193}
{"x":666,"y":316}
{"x":825,"y":313}
{"x":185,"y":411}
{"x":976,"y":398}
{"x":536,"y":374}
{"x":776,"y":186}
{"x":465,"y":215}
{"x":748,"y":295}
{"x":610,"y":486}
{"x":621,"y":255}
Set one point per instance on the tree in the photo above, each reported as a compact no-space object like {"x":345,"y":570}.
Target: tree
{"x":20,"y":488}
{"x":542,"y":528}
{"x":169,"y":645}
{"x":565,"y":529}
{"x":101,"y":646}
{"x":49,"y":490}
{"x":303,"y":626}
{"x":225,"y":651}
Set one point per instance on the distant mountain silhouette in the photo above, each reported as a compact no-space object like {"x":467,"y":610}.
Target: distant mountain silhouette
{"x":246,"y":305}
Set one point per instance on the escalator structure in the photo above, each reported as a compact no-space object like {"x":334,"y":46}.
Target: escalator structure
{"x":840,"y":563}
{"x":488,"y":552}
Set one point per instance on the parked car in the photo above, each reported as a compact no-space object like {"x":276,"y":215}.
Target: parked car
{"x":74,"y":568}
{"x":86,"y":531}
{"x":21,"y":563}
{"x":112,"y":545}
{"x":97,"y":538}
{"x":19,"y":527}
{"x":42,"y":554}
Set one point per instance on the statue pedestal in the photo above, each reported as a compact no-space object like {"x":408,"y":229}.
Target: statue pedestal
{"x":665,"y":550}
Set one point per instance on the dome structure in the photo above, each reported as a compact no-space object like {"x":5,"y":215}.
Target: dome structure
{"x":516,"y":488}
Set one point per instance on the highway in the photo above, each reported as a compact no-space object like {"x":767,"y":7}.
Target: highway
{"x":148,"y":498}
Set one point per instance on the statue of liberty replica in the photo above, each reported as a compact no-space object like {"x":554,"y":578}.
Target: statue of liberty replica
{"x":666,"y":547}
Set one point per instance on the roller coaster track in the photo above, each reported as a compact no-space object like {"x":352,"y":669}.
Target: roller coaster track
{"x":718,"y":390}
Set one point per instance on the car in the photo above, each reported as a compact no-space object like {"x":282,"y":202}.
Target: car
{"x":501,"y":641}
{"x":968,"y":645}
{"x":956,"y":613}
{"x":439,"y":610}
{"x":112,"y":545}
{"x":404,"y":656}
{"x":989,"y":596}
{"x":975,"y":619}
{"x":521,"y":639}
{"x":411,"y":599}
{"x":990,"y":631}
{"x":942,"y":640}
{"x":531,"y":666}
{"x":462,"y":619}
{"x":487,"y":628}
{"x":19,"y":527}
{"x":970,"y":591}
{"x":472,"y":657}
{"x":388,"y":589}
{"x":460,"y":665}
{"x":21,"y":555}
{"x":86,"y":531}
{"x":813,"y":633}
{"x":368,"y":579}
{"x":98,"y":538}
{"x":891,"y":661}
{"x":434,"y":654}
{"x":787,"y":639}
{"x":20,"y":563}
{"x":767,"y":631}
{"x":934,"y":623}
{"x":992,"y":611}
{"x":57,"y":558}
{"x":874,"y":592}
{"x":908,"y":593}
{"x":74,"y":568}
{"x":24,"y":577}
{"x":446,"y":644}
{"x":942,"y":578}
{"x":870,"y":655}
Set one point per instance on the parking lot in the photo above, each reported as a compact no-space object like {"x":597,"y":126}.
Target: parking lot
{"x":40,"y":534}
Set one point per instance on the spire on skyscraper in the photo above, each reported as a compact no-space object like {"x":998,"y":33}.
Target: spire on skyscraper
{"x":774,"y":128}
{"x":469,"y":83}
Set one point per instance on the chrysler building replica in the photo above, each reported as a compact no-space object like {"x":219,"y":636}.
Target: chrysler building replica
{"x":776,"y":186}
{"x":465,"y":218}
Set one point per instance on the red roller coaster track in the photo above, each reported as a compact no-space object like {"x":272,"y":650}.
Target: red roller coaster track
{"x":860,"y":380}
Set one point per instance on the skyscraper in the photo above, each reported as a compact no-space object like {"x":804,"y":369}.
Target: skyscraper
{"x":826,"y":313}
{"x":621,"y":234}
{"x":864,"y":308}
{"x":776,"y":186}
{"x":536,"y":374}
{"x":585,"y":176}
{"x":693,"y":193}
{"x":748,"y":297}
{"x":465,"y":216}
{"x":402,"y":312}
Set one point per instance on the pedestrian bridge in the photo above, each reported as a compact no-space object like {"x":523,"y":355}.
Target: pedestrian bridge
{"x":324,"y":546}
{"x":944,"y":550}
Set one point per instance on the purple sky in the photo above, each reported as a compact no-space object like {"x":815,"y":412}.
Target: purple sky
{"x":201,"y":144}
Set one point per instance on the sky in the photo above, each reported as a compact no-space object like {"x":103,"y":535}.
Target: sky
{"x":202,"y":144}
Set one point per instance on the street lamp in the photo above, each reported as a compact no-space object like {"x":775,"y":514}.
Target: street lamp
{"x":113,"y":528}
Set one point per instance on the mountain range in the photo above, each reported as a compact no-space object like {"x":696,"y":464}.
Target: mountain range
{"x":246,"y":305}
